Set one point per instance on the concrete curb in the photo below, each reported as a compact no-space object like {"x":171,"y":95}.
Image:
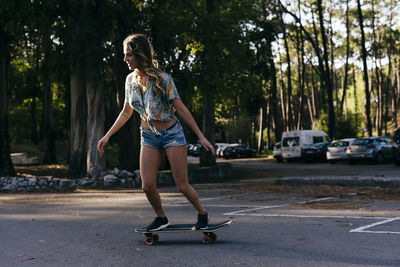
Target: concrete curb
{"x":376,"y":181}
{"x":115,"y":179}
{"x":219,"y":172}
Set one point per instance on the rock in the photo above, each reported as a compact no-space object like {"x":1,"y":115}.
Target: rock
{"x":116,"y":171}
{"x":32,"y":181}
{"x":126,"y":174}
{"x":110,"y":180}
{"x":65,"y":183}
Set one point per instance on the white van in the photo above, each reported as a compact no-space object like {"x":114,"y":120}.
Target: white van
{"x":293,"y":142}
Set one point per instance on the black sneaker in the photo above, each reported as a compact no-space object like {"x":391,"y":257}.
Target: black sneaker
{"x":202,"y":221}
{"x":158,"y":224}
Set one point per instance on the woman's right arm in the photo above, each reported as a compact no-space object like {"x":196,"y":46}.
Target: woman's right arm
{"x":123,"y":117}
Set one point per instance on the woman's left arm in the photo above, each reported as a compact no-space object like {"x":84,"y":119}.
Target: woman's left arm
{"x":184,"y":113}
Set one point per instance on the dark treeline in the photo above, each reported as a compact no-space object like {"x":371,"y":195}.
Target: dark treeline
{"x":248,"y":70}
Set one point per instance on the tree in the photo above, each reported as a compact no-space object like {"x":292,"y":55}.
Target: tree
{"x":364,"y":60}
{"x":126,"y":15}
{"x":11,"y":19}
{"x":86,"y":34}
{"x":6,"y":166}
{"x":42,"y":21}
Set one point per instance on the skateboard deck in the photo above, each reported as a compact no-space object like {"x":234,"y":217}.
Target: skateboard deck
{"x":209,"y":235}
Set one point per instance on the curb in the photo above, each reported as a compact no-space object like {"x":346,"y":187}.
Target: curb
{"x":391,"y":182}
{"x":116,"y":179}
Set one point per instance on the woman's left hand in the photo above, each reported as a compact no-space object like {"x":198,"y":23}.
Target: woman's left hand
{"x":207,"y":145}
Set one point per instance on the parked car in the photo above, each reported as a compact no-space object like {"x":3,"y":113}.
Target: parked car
{"x":238,"y":151}
{"x":315,"y":152}
{"x":220,"y":149}
{"x":194,"y":150}
{"x":277,"y":152}
{"x":293,"y":142}
{"x":396,"y":147}
{"x":378,"y":149}
{"x":337,"y":150}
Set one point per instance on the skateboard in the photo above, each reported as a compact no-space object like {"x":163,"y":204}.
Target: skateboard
{"x":209,"y":235}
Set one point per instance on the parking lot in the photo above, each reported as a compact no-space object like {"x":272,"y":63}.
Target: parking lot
{"x":273,"y":225}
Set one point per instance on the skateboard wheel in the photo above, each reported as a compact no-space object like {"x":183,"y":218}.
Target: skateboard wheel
{"x":207,"y":239}
{"x":149,"y":241}
{"x":213,"y":237}
{"x":156,"y":238}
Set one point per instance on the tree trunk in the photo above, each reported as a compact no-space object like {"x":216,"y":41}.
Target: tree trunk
{"x":378,"y":84}
{"x":77,"y":167}
{"x":206,"y":158}
{"x":355,"y":98}
{"x":282,"y":97}
{"x":261,"y":126}
{"x":364,"y":59}
{"x":274,"y":95}
{"x":95,"y":162}
{"x":50,"y":155}
{"x":301,"y":71}
{"x":289,"y":101}
{"x":346,"y":65}
{"x":327,"y":76}
{"x":6,"y":166}
{"x":128,"y":137}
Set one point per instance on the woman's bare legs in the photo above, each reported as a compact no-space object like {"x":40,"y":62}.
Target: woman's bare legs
{"x":177,"y":156}
{"x":150,"y":159}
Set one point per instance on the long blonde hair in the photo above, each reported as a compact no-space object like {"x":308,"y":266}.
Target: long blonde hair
{"x":147,"y":64}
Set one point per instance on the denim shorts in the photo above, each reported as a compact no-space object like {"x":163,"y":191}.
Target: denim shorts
{"x":171,"y":136}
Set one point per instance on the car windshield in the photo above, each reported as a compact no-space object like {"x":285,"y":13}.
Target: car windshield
{"x":340,"y":144}
{"x":361,"y":142}
{"x":290,"y":141}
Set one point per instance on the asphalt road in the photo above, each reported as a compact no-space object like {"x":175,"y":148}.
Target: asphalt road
{"x":267,"y":167}
{"x":273,"y":226}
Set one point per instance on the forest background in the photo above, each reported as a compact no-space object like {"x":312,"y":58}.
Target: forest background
{"x":248,"y":70}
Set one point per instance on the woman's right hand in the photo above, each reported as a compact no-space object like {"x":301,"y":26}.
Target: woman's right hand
{"x":101,"y":144}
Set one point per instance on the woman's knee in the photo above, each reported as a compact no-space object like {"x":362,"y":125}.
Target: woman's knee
{"x":149,"y":188}
{"x":183,"y":188}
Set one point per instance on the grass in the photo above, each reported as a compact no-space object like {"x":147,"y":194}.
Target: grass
{"x":43,"y":171}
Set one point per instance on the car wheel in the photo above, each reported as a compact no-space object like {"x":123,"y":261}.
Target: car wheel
{"x":332,"y":161}
{"x":380,"y":158}
{"x":279,"y":159}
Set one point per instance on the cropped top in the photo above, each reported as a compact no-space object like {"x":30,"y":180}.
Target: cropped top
{"x":151,"y":106}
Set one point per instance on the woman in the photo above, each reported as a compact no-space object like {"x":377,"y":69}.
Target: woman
{"x":152,"y":93}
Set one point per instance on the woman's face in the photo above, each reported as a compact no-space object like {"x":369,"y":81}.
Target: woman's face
{"x":130,"y":58}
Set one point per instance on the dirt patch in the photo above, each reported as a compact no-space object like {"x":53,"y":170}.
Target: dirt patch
{"x":43,"y":171}
{"x":321,"y":191}
{"x":332,"y":205}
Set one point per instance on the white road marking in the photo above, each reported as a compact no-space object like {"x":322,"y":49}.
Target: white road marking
{"x":363,"y":229}
{"x":240,"y":212}
{"x":311,"y":216}
{"x":245,"y":212}
{"x":206,"y":199}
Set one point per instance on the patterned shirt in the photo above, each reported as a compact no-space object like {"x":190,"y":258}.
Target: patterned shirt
{"x":151,"y":106}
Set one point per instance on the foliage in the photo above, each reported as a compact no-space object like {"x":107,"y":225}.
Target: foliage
{"x":346,"y":126}
{"x":228,"y":58}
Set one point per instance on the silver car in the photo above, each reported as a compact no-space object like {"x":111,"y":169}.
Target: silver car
{"x":372,"y":148}
{"x":337,"y":150}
